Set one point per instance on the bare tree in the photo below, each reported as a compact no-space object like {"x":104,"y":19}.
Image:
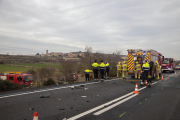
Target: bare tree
{"x":66,"y":68}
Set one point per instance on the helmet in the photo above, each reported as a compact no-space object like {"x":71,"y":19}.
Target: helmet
{"x":156,"y":62}
{"x":136,"y":62}
{"x":124,"y":61}
{"x":119,"y":62}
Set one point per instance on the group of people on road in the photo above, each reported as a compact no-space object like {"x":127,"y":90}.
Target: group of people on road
{"x":147,"y":71}
{"x":122,"y":68}
{"x":102,"y":67}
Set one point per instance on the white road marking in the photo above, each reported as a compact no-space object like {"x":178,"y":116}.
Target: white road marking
{"x":114,"y":105}
{"x":101,"y":106}
{"x":108,"y":103}
{"x":36,"y":91}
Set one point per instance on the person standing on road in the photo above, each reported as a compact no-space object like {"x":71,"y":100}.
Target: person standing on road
{"x":124,"y":70}
{"x":107,"y":70}
{"x":102,"y":70}
{"x":87,"y":71}
{"x":95,"y":66}
{"x":118,"y":68}
{"x":157,"y":70}
{"x":151,"y":64}
{"x":138,"y":70}
{"x":145,"y":69}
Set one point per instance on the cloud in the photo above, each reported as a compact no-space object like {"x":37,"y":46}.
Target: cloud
{"x":108,"y":26}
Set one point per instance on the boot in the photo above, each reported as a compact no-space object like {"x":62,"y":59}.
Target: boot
{"x":149,"y":85}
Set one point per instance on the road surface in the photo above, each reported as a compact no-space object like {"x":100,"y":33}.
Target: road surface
{"x":109,"y":100}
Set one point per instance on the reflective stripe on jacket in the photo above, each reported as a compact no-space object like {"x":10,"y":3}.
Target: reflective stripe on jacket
{"x":118,"y":67}
{"x":87,"y":71}
{"x":95,"y":65}
{"x":124,"y":67}
{"x":107,"y":64}
{"x":157,"y":67}
{"x":138,"y":67}
{"x":146,"y":66}
{"x":102,"y":65}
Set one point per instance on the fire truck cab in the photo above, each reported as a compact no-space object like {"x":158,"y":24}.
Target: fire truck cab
{"x":140,"y":56}
{"x":168,"y":64}
{"x":22,"y":78}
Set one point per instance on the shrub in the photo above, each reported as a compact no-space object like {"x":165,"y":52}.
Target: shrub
{"x":7,"y":86}
{"x":49,"y":81}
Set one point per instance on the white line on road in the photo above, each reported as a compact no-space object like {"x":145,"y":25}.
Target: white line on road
{"x":37,"y":91}
{"x":114,"y":105}
{"x":101,"y":106}
{"x":106,"y":104}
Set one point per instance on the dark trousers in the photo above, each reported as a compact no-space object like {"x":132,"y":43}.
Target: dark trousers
{"x":102,"y":71}
{"x":87,"y":77}
{"x":107,"y":71}
{"x":95,"y":73}
{"x":145,"y":76}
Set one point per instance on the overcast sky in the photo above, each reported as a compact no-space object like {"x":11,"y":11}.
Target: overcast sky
{"x":34,"y":26}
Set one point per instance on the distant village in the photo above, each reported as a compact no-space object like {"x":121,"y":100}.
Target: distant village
{"x":48,"y":57}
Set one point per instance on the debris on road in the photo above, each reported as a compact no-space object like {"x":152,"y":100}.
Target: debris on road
{"x":62,"y":109}
{"x":82,"y":86}
{"x":71,"y":107}
{"x":122,"y":114}
{"x":87,"y":101}
{"x":46,"y":96}
{"x":83,"y":96}
{"x":86,"y":88}
{"x":31,"y":109}
{"x":59,"y":99}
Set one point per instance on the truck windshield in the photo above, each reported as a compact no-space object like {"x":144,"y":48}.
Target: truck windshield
{"x":166,"y":61}
{"x":28,"y":78}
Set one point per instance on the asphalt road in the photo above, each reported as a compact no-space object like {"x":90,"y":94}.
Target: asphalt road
{"x":109,"y":100}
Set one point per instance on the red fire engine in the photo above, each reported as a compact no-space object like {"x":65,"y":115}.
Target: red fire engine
{"x":168,"y":64}
{"x":140,"y":56}
{"x":22,"y":78}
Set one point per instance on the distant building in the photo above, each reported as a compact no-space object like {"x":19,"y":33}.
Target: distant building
{"x":46,"y":51}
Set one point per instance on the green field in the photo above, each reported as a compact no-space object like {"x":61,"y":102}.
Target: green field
{"x":9,"y":68}
{"x":55,"y":65}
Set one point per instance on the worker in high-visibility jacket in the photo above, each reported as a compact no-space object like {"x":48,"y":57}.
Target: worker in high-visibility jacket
{"x":145,"y":69}
{"x":138,"y":70}
{"x":87,"y":71}
{"x":124,"y":70}
{"x":107,"y":70}
{"x":95,"y":66}
{"x":118,"y":68}
{"x":102,"y":70}
{"x":157,"y":69}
